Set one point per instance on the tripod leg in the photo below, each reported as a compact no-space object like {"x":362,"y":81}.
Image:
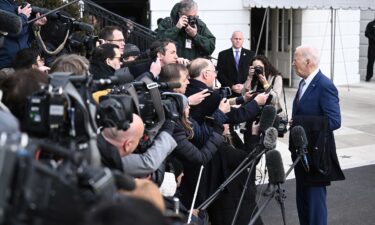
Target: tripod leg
{"x":243,"y":193}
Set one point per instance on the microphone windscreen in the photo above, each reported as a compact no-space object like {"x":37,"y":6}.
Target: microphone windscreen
{"x":267,"y":118}
{"x":81,"y":26}
{"x":123,"y":181}
{"x":270,"y":138}
{"x":299,"y":137}
{"x":275,"y":167}
{"x":276,"y":123}
{"x":10,"y":23}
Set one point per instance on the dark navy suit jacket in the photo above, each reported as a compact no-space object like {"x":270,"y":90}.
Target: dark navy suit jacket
{"x":318,"y":112}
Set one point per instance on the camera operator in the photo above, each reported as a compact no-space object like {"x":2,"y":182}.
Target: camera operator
{"x":105,"y":60}
{"x":116,"y":148}
{"x":76,"y":64}
{"x":112,"y":35}
{"x":191,"y":34}
{"x":28,"y":58}
{"x":13,"y":44}
{"x":17,"y":87}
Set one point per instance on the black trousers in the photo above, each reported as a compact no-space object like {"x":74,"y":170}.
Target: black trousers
{"x":370,"y":61}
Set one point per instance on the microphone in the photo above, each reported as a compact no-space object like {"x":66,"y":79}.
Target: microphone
{"x":300,"y":142}
{"x":169,"y":85}
{"x":270,"y":137}
{"x":77,"y":25}
{"x":267,"y":118}
{"x":123,"y":181}
{"x":275,"y":167}
{"x":10,"y":24}
{"x":44,"y":11}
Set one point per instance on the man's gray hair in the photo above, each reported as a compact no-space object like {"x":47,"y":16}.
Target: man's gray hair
{"x":187,"y":5}
{"x":196,"y":67}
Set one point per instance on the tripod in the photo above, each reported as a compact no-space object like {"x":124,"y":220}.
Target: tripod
{"x":279,"y":193}
{"x":240,"y":168}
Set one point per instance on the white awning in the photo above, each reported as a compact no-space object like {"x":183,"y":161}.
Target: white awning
{"x":311,"y":4}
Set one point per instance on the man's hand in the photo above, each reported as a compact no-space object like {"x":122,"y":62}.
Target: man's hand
{"x":261,"y":98}
{"x":247,"y":96}
{"x":44,"y":69}
{"x":198,"y":97}
{"x":42,"y":21}
{"x":25,"y":10}
{"x":183,"y":61}
{"x":182,"y":22}
{"x":255,"y":128}
{"x":224,"y":105}
{"x":237,"y":88}
{"x":191,"y":31}
{"x":155,"y":67}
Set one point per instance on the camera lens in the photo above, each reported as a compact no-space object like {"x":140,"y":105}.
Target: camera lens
{"x":258,"y":70}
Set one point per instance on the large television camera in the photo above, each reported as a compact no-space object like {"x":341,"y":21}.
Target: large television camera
{"x":145,"y":98}
{"x":63,"y":113}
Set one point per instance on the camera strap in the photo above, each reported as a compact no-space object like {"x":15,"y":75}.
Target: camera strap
{"x":43,"y":45}
{"x":156,"y":100}
{"x":93,"y":154}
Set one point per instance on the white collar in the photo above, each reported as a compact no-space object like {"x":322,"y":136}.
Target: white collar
{"x":311,"y":77}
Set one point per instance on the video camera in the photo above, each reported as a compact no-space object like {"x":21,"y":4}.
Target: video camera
{"x":48,"y":192}
{"x":145,"y":99}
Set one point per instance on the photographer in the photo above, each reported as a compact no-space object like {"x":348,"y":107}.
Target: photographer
{"x":12,"y":44}
{"x":191,"y":34}
{"x":117,"y":146}
{"x":262,"y":74}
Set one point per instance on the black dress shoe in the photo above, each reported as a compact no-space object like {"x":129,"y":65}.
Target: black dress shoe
{"x":368,"y":79}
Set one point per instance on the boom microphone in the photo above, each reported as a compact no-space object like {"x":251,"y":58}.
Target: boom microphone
{"x":77,"y":25}
{"x":267,"y":118}
{"x":270,"y":137}
{"x":300,"y":142}
{"x":275,"y":167}
{"x":10,"y":24}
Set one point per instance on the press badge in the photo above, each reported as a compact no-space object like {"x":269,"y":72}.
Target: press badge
{"x":188,"y":43}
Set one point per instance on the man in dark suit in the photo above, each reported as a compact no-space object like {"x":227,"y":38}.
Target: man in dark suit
{"x":370,"y":34}
{"x":233,"y":64}
{"x":316,"y":108}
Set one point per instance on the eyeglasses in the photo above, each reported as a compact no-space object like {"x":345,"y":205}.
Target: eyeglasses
{"x":215,"y":71}
{"x":118,"y":40}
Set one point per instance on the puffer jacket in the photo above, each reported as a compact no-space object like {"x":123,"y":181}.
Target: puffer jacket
{"x":203,"y":44}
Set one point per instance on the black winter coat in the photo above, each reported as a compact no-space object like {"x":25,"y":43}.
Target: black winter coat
{"x":188,"y":152}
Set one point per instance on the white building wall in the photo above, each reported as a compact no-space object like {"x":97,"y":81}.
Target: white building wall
{"x":316,"y":31}
{"x":221,"y":16}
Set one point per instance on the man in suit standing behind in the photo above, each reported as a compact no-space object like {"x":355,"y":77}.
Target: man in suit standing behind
{"x":316,"y":108}
{"x":233,"y":64}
